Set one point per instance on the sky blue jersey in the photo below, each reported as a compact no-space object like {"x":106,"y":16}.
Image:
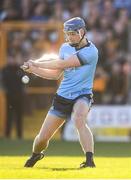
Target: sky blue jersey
{"x":78,"y":80}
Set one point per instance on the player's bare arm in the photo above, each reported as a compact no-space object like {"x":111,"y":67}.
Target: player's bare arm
{"x":53,"y":74}
{"x":60,"y":64}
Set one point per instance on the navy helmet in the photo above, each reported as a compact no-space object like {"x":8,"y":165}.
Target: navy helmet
{"x":74,"y":24}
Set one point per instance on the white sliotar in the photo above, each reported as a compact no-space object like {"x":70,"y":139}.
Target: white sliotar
{"x":25,"y":79}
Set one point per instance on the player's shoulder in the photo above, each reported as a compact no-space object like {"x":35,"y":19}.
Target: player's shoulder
{"x":92,"y":44}
{"x":65,"y":48}
{"x":92,"y":47}
{"x":88,"y":48}
{"x":65,"y":45}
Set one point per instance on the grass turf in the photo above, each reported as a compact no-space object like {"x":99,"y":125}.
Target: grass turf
{"x":62,"y":160}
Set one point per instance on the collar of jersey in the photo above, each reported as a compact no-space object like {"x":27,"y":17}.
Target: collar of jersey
{"x":87,"y":45}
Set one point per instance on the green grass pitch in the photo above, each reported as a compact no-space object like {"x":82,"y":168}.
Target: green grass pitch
{"x":62,"y":160}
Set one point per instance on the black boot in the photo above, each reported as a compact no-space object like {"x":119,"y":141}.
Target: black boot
{"x":33,"y":159}
{"x":90,"y":164}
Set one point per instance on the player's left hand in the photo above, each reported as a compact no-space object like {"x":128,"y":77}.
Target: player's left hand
{"x":27,"y":67}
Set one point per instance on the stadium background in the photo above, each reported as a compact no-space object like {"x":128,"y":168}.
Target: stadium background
{"x":30,"y":28}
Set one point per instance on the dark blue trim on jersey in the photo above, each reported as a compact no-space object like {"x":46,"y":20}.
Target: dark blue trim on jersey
{"x":77,"y":49}
{"x":81,"y":61}
{"x":87,"y":45}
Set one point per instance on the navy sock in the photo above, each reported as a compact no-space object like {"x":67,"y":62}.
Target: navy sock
{"x":89,"y":156}
{"x":34,"y":154}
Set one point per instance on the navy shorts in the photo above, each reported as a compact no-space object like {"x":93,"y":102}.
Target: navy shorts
{"x":63,"y":107}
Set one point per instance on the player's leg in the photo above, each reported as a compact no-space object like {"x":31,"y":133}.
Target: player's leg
{"x":49,"y":127}
{"x":80,"y":112}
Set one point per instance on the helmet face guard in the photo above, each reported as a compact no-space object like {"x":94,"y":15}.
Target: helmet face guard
{"x":72,"y":33}
{"x":72,"y":27}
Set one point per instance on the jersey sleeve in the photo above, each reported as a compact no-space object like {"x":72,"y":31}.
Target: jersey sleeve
{"x":87,"y":55}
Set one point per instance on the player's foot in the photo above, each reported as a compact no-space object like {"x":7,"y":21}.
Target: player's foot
{"x":90,"y":164}
{"x":33,"y":159}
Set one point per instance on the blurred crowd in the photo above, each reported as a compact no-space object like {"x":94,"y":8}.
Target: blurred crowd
{"x":107,"y":26}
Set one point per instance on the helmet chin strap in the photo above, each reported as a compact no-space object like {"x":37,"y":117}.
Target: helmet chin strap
{"x":81,"y":38}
